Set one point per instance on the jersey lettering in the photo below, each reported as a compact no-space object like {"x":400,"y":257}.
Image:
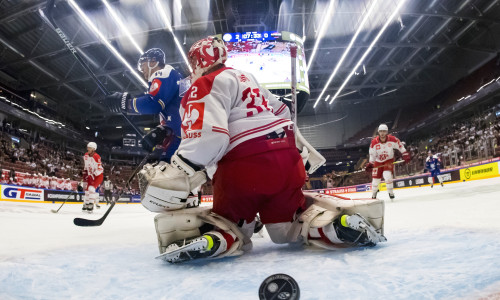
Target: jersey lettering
{"x":256,"y":103}
{"x":193,"y":92}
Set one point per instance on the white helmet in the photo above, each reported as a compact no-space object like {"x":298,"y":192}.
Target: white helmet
{"x":383,"y":127}
{"x":205,"y":54}
{"x":92,"y":145}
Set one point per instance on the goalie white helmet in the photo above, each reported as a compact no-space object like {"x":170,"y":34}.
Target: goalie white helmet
{"x":383,"y":127}
{"x":92,"y":145}
{"x":205,"y":54}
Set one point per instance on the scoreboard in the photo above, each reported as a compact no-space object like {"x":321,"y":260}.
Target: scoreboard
{"x":251,"y":36}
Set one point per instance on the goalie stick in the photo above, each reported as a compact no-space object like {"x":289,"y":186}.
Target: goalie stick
{"x":48,"y":18}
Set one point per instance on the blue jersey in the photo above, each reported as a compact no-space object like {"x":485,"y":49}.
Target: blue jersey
{"x":432,"y":164}
{"x":163,"y":98}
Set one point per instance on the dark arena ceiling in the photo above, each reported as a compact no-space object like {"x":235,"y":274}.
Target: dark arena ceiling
{"x":426,"y":47}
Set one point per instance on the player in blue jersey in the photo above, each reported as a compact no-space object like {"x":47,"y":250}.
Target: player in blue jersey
{"x":432,"y":164}
{"x":162,"y":98}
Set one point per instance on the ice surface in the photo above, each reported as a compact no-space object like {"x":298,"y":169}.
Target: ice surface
{"x":443,"y":243}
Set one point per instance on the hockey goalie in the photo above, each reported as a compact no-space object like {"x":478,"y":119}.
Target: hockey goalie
{"x":241,"y":136}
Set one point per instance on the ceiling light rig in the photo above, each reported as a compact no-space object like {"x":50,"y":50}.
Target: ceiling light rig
{"x":166,"y":21}
{"x":381,"y":31}
{"x":122,"y":26}
{"x":344,"y":55}
{"x":103,"y":39}
{"x":322,"y":30}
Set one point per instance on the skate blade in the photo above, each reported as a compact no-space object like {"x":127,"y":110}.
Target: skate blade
{"x":172,"y":254}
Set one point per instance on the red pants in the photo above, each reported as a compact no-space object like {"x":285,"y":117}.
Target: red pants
{"x":95,"y":181}
{"x":387,"y":166}
{"x":260,"y":176}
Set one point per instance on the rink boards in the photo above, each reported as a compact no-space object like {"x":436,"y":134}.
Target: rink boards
{"x":476,"y":171}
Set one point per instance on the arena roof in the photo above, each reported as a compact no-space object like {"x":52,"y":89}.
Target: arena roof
{"x":428,"y":46}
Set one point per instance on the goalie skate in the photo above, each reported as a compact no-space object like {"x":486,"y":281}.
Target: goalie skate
{"x":359,"y":223}
{"x":196,"y":248}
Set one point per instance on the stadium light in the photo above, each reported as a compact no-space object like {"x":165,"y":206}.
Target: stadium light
{"x":348,"y":93}
{"x":118,"y":127}
{"x":47,"y":120}
{"x":326,"y":99}
{"x":122,"y":26}
{"x":322,"y":30}
{"x":381,"y":31}
{"x":103,"y":39}
{"x":388,"y":92}
{"x":344,"y":55}
{"x":166,"y":21}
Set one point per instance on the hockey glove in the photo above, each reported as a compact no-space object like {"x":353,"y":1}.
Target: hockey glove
{"x":369,"y":167}
{"x":118,"y":102}
{"x":157,"y":136}
{"x":169,"y":186}
{"x":406,"y":157}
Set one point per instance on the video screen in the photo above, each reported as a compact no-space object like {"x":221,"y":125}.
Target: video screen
{"x":267,"y":58}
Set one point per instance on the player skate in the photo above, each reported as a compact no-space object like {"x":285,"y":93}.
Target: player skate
{"x":368,"y":236}
{"x":205,"y":246}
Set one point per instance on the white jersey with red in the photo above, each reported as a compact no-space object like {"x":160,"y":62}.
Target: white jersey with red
{"x":223,"y":109}
{"x":46,"y":183}
{"x":60,"y":184}
{"x":53,"y":184}
{"x":68,"y":186}
{"x":92,"y":165}
{"x":383,"y":152}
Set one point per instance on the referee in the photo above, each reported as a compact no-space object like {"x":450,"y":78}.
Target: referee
{"x":108,"y":190}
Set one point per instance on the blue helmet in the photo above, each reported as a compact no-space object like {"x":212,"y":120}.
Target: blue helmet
{"x":153,"y":54}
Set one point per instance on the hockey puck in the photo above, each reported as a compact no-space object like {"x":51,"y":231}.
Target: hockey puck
{"x":279,"y":286}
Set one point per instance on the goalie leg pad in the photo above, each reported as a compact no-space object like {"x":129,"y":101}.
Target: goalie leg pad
{"x":325,"y":210}
{"x":188,"y":224}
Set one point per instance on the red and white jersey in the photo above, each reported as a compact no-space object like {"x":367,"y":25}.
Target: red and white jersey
{"x":382,"y":152}
{"x":60,"y":184}
{"x":68,"y":186}
{"x":223,"y":109}
{"x":44,"y":183}
{"x":93,"y":164}
{"x":53,"y":184}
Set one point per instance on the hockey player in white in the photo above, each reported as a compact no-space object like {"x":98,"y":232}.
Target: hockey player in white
{"x":92,"y":175}
{"x":382,"y":158}
{"x":244,"y":138}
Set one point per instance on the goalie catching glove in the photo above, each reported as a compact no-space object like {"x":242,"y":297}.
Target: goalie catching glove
{"x":168,"y":185}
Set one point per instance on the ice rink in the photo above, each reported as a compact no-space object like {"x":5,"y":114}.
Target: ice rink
{"x":443,"y":243}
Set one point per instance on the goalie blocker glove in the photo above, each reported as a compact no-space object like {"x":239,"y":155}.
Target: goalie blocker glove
{"x":118,"y":102}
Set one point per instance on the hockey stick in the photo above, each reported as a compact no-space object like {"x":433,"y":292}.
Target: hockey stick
{"x":88,"y":223}
{"x":56,"y":211}
{"x":293,"y":85}
{"x":52,"y":24}
{"x":385,"y":165}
